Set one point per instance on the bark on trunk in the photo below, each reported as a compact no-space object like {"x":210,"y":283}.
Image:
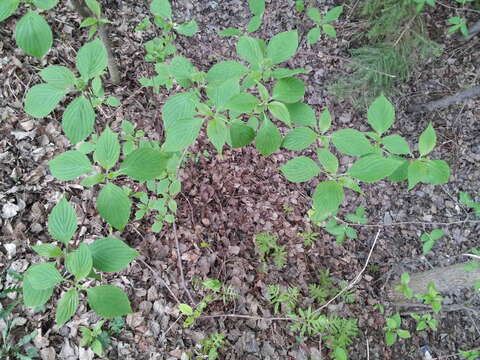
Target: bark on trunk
{"x":446,"y":101}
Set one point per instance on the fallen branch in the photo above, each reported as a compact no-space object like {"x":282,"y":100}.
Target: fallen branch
{"x":472,"y":31}
{"x":446,"y":101}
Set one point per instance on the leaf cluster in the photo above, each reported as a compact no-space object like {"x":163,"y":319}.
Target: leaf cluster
{"x":267,"y":245}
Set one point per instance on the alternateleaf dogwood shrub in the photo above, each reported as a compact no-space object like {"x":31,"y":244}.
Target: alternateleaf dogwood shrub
{"x":32,"y":33}
{"x":78,"y":120}
{"x":322,"y":23}
{"x":93,"y":22}
{"x":80,"y":264}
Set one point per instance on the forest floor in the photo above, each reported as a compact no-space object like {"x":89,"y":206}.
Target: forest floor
{"x":226,"y":200}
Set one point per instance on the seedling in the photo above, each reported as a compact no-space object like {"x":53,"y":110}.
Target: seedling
{"x":278,"y":297}
{"x":392,"y":330}
{"x":266,"y":244}
{"x":467,"y":200}
{"x":309,"y":237}
{"x":211,"y":345}
{"x":97,"y":339}
{"x":429,"y":239}
{"x":425,"y":321}
{"x":432,"y":298}
{"x":322,"y":23}
{"x":403,"y":287}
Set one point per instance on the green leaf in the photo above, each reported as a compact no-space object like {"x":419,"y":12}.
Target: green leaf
{"x":352,"y":142}
{"x":283,"y":46}
{"x":182,"y":134}
{"x":43,"y":276}
{"x":325,"y":121}
{"x":70,"y":165}
{"x":327,"y":198}
{"x":340,"y":354}
{"x":328,"y":160}
{"x":313,"y":35}
{"x":161,"y":8}
{"x":217,"y":133}
{"x":268,"y":138}
{"x":435,"y":172}
{"x":257,"y":7}
{"x":289,"y":90}
{"x":280,"y":111}
{"x":225,"y":70}
{"x":249,"y":49}
{"x":93,"y":180}
{"x":329,"y":30}
{"x":178,"y":107}
{"x":221,"y":93}
{"x":45,"y":4}
{"x":107,"y":150}
{"x":144,"y":164}
{"x":79,"y":262}
{"x":314,"y":15}
{"x":396,"y":144}
{"x":33,"y":297}
{"x":89,"y":21}
{"x":281,"y":73}
{"x":58,"y":76}
{"x":92,"y":59}
{"x":229,"y":32}
{"x":241,"y":134}
{"x":427,"y":141}
{"x":114,"y":206}
{"x":7,"y":8}
{"x":417,"y":172}
{"x":185,"y":309}
{"x":254,"y":23}
{"x":300,"y":169}
{"x":47,"y":250}
{"x":67,"y":307}
{"x":333,"y":14}
{"x":189,"y":28}
{"x":94,"y":7}
{"x":111,"y":254}
{"x":33,"y":35}
{"x":242,"y":103}
{"x":373,"y":167}
{"x":302,"y":114}
{"x":62,"y":221}
{"x":42,"y":99}
{"x":381,"y":114}
{"x":108,"y":301}
{"x":404,"y":334}
{"x":78,"y":119}
{"x":390,"y":338}
{"x":182,"y":70}
{"x":299,"y":139}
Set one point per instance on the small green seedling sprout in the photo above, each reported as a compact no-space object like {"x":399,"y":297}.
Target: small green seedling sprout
{"x":392,"y":330}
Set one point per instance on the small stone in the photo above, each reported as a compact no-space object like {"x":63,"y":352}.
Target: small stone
{"x":36,"y":228}
{"x":9,"y":210}
{"x":11,"y":250}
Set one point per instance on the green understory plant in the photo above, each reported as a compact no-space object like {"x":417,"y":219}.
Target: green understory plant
{"x":257,"y":8}
{"x":470,"y":354}
{"x":80,"y":265}
{"x":97,"y":339}
{"x":467,"y":200}
{"x":211,"y":345}
{"x":322,"y":23}
{"x":425,"y":322}
{"x":11,"y":348}
{"x":392,"y":330}
{"x":473,"y":265}
{"x":403,"y":287}
{"x":32,"y":33}
{"x":432,"y":298}
{"x":309,"y":237}
{"x":95,"y":21}
{"x":326,"y":288}
{"x":279,"y":297}
{"x":429,"y":239}
{"x":267,"y":245}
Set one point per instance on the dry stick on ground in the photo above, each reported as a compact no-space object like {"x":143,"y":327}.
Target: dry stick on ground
{"x":179,"y":260}
{"x":103,"y":34}
{"x":466,"y":221}
{"x":446,"y":101}
{"x":474,"y":30}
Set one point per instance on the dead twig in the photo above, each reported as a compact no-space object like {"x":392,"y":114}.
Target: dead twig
{"x":180,"y":266}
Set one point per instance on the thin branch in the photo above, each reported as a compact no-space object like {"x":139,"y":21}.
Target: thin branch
{"x":446,"y":101}
{"x":154,"y":273}
{"x":357,"y":278}
{"x":250,"y":317}
{"x":179,"y":261}
{"x":466,"y":221}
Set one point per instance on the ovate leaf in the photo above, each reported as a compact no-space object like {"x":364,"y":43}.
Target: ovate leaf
{"x":325,"y":121}
{"x":327,"y":198}
{"x":351,"y":142}
{"x":144,"y":164}
{"x":108,"y":301}
{"x":241,"y":134}
{"x":45,"y":4}
{"x":67,"y":307}
{"x":268,"y":138}
{"x":42,"y":99}
{"x":299,"y":139}
{"x":189,"y":28}
{"x":242,"y":103}
{"x":217,"y":133}
{"x":257,"y":7}
{"x":289,"y":90}
{"x":79,"y":262}
{"x":373,"y":168}
{"x":114,"y":206}
{"x":280,"y":111}
{"x":7,"y":8}
{"x":381,"y":114}
{"x":282,"y":46}
{"x":62,"y":221}
{"x":47,"y":250}
{"x":70,"y":165}
{"x":249,"y":49}
{"x":78,"y":119}
{"x":225,"y":70}
{"x":161,"y":8}
{"x":427,"y":141}
{"x":92,"y":59}
{"x":313,"y":35}
{"x":301,"y":114}
{"x":254,"y":23}
{"x":43,"y":276}
{"x":33,"y":35}
{"x":58,"y":76}
{"x":111,"y":254}
{"x":221,"y":92}
{"x":300,"y":169}
{"x":396,"y":144}
{"x":177,"y":107}
{"x":107,"y":149}
{"x":328,"y":160}
{"x":182,"y":134}
{"x":33,"y":297}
